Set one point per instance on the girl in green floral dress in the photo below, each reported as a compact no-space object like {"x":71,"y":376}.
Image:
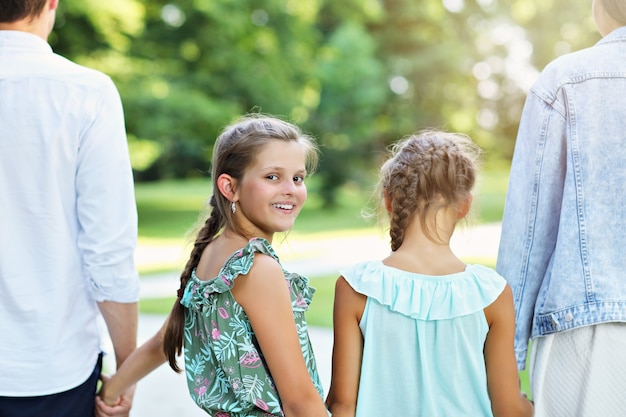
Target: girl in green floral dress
{"x":239,"y":316}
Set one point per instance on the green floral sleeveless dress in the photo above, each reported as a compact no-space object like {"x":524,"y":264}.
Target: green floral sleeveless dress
{"x":226,"y":373}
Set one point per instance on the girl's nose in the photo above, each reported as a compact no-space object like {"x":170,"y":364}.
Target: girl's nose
{"x":290,"y":187}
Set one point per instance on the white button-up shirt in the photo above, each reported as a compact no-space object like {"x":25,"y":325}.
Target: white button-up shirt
{"x":68,"y":220}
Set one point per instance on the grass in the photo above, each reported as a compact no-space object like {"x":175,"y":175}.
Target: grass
{"x":169,"y":210}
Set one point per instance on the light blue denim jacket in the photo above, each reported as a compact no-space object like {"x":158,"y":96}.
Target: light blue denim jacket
{"x":563,"y":244}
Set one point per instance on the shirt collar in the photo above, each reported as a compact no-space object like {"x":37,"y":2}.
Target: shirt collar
{"x":618,"y":35}
{"x":23,"y":40}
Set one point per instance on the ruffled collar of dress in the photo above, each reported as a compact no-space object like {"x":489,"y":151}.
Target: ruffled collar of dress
{"x":239,"y":263}
{"x":426,"y":297}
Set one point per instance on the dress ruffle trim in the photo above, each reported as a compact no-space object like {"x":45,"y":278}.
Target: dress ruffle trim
{"x":426,"y":297}
{"x":240,"y":263}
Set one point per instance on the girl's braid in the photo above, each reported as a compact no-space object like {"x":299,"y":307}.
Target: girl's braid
{"x":173,"y":342}
{"x":425,"y":173}
{"x":403,"y":201}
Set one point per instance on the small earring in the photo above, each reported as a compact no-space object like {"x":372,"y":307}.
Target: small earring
{"x":233,"y":207}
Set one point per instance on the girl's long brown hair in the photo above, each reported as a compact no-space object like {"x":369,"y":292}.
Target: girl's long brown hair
{"x":234,"y":151}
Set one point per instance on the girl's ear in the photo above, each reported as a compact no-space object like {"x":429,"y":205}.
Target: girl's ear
{"x":227,"y":187}
{"x":464,"y":207}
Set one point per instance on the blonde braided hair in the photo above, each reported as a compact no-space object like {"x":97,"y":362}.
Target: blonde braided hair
{"x":426,"y":172}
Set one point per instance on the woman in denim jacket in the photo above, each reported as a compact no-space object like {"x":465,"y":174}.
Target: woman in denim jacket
{"x":564,"y":232}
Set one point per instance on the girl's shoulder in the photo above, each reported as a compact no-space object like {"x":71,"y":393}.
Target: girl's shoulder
{"x":426,"y":297}
{"x":241,"y":261}
{"x":238,"y":263}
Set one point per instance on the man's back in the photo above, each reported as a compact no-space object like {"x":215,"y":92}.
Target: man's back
{"x":68,"y":218}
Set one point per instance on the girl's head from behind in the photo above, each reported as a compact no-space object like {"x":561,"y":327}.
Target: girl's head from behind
{"x":237,"y":147}
{"x":426,"y":172}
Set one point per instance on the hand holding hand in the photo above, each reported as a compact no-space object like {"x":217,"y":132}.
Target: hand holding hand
{"x":107,"y":406}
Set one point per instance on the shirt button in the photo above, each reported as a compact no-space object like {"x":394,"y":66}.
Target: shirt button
{"x":569,"y":317}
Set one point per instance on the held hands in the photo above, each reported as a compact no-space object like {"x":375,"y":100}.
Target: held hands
{"x":113,"y":406}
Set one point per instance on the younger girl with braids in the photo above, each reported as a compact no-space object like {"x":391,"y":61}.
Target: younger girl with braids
{"x":239,"y":316}
{"x":421,"y":333}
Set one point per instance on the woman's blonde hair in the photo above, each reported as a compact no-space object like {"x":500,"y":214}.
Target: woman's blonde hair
{"x":616,"y":9}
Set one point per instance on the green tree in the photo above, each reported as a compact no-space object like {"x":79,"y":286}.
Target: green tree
{"x":357,"y":74}
{"x":352,"y":94}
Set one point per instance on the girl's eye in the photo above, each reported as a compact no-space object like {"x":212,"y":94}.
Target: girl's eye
{"x":298,"y":179}
{"x":272,"y":177}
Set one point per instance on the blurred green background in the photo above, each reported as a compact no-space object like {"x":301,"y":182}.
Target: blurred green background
{"x":355,"y":74}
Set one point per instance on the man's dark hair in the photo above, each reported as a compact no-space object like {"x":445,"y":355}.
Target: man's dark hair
{"x":14,"y":10}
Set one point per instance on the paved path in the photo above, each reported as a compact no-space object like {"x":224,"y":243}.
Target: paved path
{"x":164,"y":393}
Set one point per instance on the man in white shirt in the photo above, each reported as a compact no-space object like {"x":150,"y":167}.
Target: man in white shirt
{"x":68,"y":222}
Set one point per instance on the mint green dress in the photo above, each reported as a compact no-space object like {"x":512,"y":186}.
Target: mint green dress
{"x":423,"y":339}
{"x":226,"y":373}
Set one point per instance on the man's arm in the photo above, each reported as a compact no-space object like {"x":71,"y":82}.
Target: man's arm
{"x":121,"y":321}
{"x":107,"y":215}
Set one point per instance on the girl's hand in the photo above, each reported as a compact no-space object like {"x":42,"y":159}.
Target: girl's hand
{"x":103,"y":394}
{"x":107,"y":406}
{"x":121,"y":409}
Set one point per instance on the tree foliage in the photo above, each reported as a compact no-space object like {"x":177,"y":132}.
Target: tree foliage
{"x":357,"y":74}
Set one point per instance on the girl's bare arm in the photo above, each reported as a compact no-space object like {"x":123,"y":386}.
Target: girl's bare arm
{"x":347,"y":350}
{"x":140,"y":363}
{"x":507,"y":400}
{"x":264,"y":296}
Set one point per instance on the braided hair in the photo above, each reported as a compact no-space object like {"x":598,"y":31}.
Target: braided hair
{"x":425,"y":172}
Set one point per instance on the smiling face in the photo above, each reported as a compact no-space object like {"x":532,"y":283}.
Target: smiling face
{"x":271,"y":193}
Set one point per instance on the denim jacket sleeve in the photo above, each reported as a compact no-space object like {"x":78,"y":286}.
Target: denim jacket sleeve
{"x":532,"y":208}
